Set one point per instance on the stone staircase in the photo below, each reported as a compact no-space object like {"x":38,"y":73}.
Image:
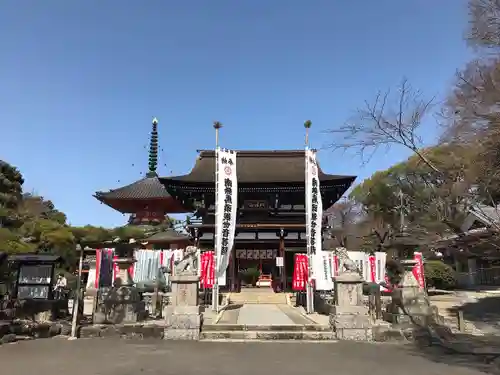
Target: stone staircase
{"x":446,"y":308}
{"x":236,"y":332}
{"x":257,"y":296}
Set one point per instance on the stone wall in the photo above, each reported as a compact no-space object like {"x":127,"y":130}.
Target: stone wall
{"x":127,"y":331}
{"x":34,"y":310}
{"x":22,"y":330}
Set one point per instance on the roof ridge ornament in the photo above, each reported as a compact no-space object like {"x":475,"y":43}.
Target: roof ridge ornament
{"x":153,"y":150}
{"x":307,"y":126}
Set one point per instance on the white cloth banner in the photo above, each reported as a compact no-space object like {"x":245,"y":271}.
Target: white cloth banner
{"x":226,"y":191}
{"x":314,"y":221}
{"x":327,"y":269}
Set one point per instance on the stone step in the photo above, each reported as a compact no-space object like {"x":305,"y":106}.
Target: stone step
{"x":266,"y":328}
{"x":267,"y":335}
{"x":254,"y":298}
{"x":257,"y":302}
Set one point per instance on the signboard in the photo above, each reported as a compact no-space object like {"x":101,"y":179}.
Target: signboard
{"x":256,"y":205}
{"x":256,"y":254}
{"x":279,"y":261}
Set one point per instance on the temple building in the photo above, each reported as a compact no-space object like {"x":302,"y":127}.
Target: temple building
{"x":271,"y":209}
{"x":147,"y":202}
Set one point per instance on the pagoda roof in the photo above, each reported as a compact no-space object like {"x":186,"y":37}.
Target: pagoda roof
{"x":145,"y":188}
{"x":134,"y":195}
{"x":261,"y":167}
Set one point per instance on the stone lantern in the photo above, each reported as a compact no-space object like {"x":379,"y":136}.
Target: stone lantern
{"x":125,"y":259}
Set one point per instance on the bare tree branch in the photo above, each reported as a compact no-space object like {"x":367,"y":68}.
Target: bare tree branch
{"x":484,"y":23}
{"x":383,"y":125}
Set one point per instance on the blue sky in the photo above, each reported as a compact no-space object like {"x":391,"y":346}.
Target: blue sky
{"x":81,"y":81}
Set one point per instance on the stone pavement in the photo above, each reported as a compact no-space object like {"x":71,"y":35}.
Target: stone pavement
{"x":263,"y":315}
{"x":269,"y":315}
{"x":128,"y":357}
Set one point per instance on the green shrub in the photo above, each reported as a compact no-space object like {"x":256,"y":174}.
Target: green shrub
{"x":439,"y":275}
{"x":250,"y":275}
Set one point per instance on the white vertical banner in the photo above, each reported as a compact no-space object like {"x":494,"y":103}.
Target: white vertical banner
{"x":225,"y":209}
{"x":327,"y":260}
{"x":314,"y":215}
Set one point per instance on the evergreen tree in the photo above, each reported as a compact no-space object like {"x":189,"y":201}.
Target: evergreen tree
{"x":11,"y":187}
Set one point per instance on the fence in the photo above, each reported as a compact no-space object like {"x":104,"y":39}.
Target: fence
{"x":489,"y":276}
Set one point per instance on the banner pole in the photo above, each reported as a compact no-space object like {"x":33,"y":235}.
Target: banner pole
{"x":78,"y":296}
{"x":309,"y":289}
{"x":215,"y":289}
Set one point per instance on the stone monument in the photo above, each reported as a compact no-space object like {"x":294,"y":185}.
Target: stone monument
{"x":349,"y":317}
{"x":183,"y":315}
{"x":121,"y":304}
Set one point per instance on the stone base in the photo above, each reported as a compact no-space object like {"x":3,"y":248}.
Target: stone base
{"x":354,"y":334}
{"x":128,"y":331}
{"x":120,"y":305}
{"x":351,"y":323}
{"x":182,"y":323}
{"x":182,"y":334}
{"x":183,"y":317}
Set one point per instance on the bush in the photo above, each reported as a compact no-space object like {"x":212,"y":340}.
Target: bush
{"x":250,"y":276}
{"x":439,"y":275}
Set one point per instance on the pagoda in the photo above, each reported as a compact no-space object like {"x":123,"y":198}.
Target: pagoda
{"x":271,"y":221}
{"x":146,"y":200}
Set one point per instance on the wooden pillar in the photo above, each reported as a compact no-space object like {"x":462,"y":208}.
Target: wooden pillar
{"x":282,"y":254}
{"x":232,"y":262}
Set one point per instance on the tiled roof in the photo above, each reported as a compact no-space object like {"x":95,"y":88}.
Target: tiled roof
{"x":34,"y":258}
{"x":256,"y":167}
{"x":168,"y":235}
{"x":146,"y":188}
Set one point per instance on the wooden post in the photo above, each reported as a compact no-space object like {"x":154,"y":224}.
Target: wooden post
{"x":282,"y":254}
{"x":460,"y":321}
{"x":154,"y":298}
{"x":78,"y":296}
{"x":378,"y":304}
{"x":232,"y":265}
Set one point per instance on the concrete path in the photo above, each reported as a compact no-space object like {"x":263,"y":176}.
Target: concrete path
{"x":263,"y":315}
{"x":131,"y":357}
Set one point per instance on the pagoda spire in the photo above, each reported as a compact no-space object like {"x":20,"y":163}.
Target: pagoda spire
{"x":153,"y":150}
